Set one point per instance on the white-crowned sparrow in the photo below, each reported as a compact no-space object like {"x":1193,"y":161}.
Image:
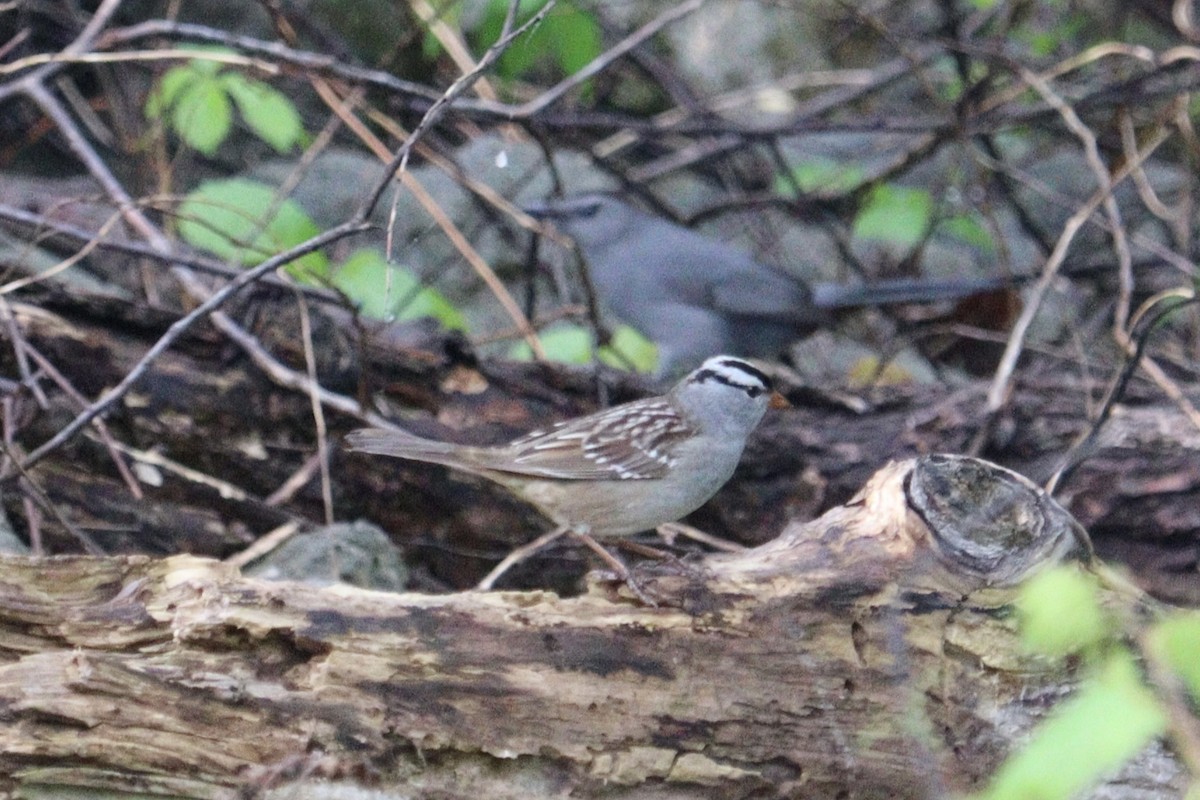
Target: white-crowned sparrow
{"x":626,"y":469}
{"x":696,"y":296}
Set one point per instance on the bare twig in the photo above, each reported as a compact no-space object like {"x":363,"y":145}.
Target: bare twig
{"x":20,"y":353}
{"x":47,"y":228}
{"x":310,"y":363}
{"x":66,"y":263}
{"x":106,"y":437}
{"x":227,"y":490}
{"x":177,"y":329}
{"x":35,"y":492}
{"x":296,"y":481}
{"x":451,"y":39}
{"x":1156,"y":310}
{"x":81,"y":44}
{"x":601,"y":62}
{"x":210,"y":302}
{"x":399,"y":162}
{"x":230,"y":59}
{"x":1120,"y":240}
{"x":998,"y":392}
{"x":264,"y":544}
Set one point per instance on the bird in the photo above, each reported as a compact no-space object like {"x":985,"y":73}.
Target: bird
{"x":618,"y":471}
{"x":695,"y":296}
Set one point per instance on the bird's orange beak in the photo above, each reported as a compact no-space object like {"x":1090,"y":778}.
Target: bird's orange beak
{"x":778,"y":401}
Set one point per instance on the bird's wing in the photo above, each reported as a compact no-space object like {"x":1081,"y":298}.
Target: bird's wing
{"x":618,"y":444}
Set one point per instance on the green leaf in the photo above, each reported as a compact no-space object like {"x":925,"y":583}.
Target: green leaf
{"x":969,"y":230}
{"x":207,"y":66}
{"x":1177,"y":639}
{"x":821,"y":176}
{"x":198,"y":95}
{"x":1060,"y":612}
{"x":450,"y":13}
{"x":895,"y":214}
{"x":630,"y":348}
{"x":169,"y":87}
{"x":574,"y":36}
{"x":569,"y":35}
{"x":388,"y":292}
{"x":269,"y":113}
{"x":565,"y":342}
{"x":229,"y":218}
{"x":571,"y":343}
{"x":202,"y":115}
{"x":1109,"y":720}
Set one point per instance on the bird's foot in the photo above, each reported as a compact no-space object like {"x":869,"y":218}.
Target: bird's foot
{"x":617,"y":568}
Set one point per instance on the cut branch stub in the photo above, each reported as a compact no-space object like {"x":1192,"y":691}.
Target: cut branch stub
{"x":848,"y":657}
{"x":941,"y":523}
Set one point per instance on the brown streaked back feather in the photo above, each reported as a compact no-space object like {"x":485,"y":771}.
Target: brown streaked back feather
{"x":611,"y":445}
{"x":616,"y":444}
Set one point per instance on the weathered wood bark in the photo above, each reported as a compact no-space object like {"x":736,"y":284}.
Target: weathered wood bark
{"x":864,"y":654}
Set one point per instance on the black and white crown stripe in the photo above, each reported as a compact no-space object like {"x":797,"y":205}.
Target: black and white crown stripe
{"x":734,"y":372}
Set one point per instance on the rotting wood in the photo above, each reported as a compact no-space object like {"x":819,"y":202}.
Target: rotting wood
{"x":863,"y":654}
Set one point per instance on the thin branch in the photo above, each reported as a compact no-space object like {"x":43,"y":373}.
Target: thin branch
{"x":309,"y":62}
{"x":296,"y":481}
{"x":230,"y":59}
{"x":440,"y":217}
{"x":264,"y":544}
{"x":181,"y":325}
{"x":1001,"y":381}
{"x":66,"y":263}
{"x":210,"y":303}
{"x":81,"y":44}
{"x":21,"y":354}
{"x":106,"y":437}
{"x":1157,"y":309}
{"x":49,"y":229}
{"x":450,"y":38}
{"x":399,"y":162}
{"x":310,"y":363}
{"x":601,"y":62}
{"x":227,"y":490}
{"x":35,"y":492}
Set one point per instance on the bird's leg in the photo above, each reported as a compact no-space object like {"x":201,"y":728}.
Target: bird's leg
{"x":525,"y":551}
{"x":616,"y":565}
{"x":520,"y":554}
{"x":669,"y":530}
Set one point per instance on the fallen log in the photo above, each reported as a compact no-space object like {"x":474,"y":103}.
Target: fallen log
{"x":867,"y":653}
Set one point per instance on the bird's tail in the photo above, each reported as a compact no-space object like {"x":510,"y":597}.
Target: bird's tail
{"x":882,"y":293}
{"x":402,"y":444}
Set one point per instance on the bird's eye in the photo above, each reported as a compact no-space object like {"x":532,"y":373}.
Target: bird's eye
{"x":754,"y":391}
